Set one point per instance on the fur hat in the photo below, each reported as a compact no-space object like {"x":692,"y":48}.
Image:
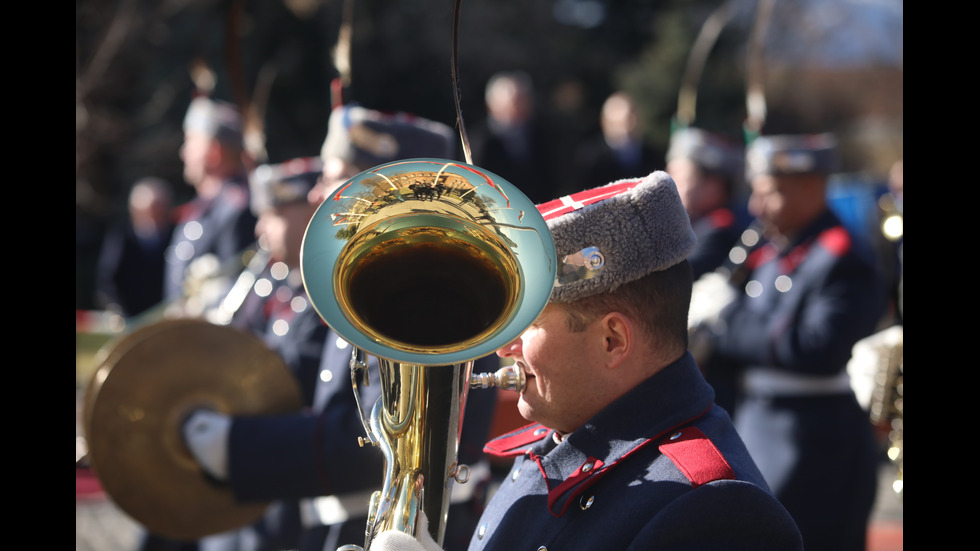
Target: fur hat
{"x":367,"y":138}
{"x":790,"y":154}
{"x":216,"y":119}
{"x":616,"y":233}
{"x":273,"y":185}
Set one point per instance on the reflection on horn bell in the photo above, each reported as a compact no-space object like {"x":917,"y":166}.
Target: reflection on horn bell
{"x":427,"y":264}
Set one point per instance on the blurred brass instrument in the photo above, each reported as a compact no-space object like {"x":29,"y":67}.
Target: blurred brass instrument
{"x":877,"y":369}
{"x":427,"y":264}
{"x":215,"y":290}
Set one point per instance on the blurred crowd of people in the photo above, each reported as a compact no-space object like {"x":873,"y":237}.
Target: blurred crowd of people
{"x":789,"y":293}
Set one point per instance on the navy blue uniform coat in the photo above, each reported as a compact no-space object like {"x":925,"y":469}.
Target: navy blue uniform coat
{"x":227,"y":227}
{"x":621,"y":482}
{"x":816,"y":450}
{"x":717,"y":232}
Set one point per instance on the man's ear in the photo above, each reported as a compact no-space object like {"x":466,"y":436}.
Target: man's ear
{"x":619,"y":336}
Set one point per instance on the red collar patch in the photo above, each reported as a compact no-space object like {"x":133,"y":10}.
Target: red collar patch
{"x":515,"y":442}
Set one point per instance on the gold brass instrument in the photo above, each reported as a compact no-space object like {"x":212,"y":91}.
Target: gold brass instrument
{"x":427,"y":264}
{"x":211,"y":287}
{"x":877,"y":369}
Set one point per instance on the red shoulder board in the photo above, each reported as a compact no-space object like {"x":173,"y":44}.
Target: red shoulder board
{"x":836,"y":240}
{"x":760,"y":256}
{"x":721,"y":218}
{"x":514,"y":442}
{"x":188,"y":211}
{"x":696,"y":456}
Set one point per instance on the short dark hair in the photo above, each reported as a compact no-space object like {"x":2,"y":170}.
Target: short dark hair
{"x":660,"y":300}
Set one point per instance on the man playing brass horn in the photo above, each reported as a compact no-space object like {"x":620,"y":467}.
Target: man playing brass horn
{"x":626,"y":448}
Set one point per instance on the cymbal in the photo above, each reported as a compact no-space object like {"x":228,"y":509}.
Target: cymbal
{"x":148,"y":383}
{"x":105,"y":358}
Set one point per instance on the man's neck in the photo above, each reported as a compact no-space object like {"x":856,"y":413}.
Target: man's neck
{"x":209,"y":187}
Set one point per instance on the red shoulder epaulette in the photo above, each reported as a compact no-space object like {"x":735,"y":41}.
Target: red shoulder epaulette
{"x":721,"y":218}
{"x":696,"y":456}
{"x":836,"y":240}
{"x":760,"y":256}
{"x":188,"y":211}
{"x":515,"y":442}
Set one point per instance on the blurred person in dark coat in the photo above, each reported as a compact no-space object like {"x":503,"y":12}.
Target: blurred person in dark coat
{"x":286,"y":321}
{"x":619,"y":150}
{"x":216,"y":226}
{"x":131,"y":261}
{"x":809,"y":294}
{"x":310,"y":463}
{"x":709,"y":170}
{"x":512,"y":141}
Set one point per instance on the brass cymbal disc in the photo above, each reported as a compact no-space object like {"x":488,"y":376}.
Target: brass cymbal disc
{"x":105,"y":358}
{"x":141,"y":394}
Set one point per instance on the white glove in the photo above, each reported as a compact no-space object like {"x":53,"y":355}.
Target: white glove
{"x":711,"y":294}
{"x":206,"y":434}
{"x":396,"y":540}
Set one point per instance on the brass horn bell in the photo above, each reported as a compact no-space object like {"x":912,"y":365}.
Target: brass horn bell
{"x":427,"y":264}
{"x":428,"y":261}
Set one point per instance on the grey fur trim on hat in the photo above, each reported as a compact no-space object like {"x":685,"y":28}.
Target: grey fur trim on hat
{"x":790,"y":154}
{"x":367,"y":138}
{"x":216,"y":119}
{"x":639,"y":230}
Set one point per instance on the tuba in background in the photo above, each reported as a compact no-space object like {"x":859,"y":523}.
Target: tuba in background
{"x":427,"y":264}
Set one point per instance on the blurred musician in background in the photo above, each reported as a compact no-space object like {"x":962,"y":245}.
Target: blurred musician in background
{"x":708,"y":170}
{"x":808,"y":296}
{"x":310,"y":463}
{"x":212,"y":230}
{"x":283,"y":316}
{"x":217,"y":225}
